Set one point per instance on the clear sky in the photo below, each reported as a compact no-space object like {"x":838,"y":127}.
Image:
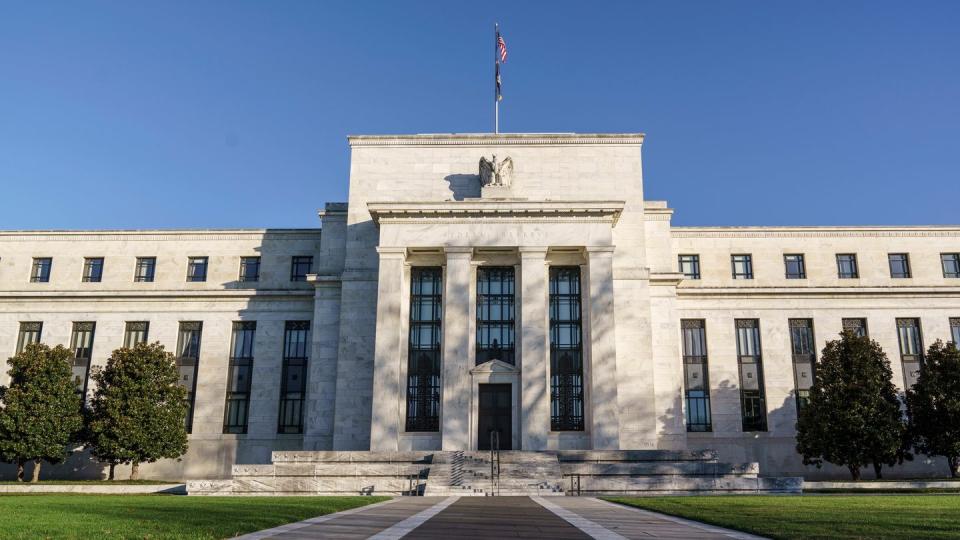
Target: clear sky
{"x":234,"y":114}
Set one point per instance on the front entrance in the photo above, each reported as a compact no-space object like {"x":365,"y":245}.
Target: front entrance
{"x":495,"y":413}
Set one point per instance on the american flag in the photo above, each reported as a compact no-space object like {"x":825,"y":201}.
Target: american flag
{"x":501,"y":48}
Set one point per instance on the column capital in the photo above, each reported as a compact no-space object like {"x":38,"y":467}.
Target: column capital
{"x":392,"y":252}
{"x":533,"y":251}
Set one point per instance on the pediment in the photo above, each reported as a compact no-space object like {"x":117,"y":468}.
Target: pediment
{"x":495,"y":366}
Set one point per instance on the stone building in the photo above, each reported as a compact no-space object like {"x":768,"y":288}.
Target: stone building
{"x":535,"y":295}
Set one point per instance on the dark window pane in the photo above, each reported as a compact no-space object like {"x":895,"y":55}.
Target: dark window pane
{"x":804,"y":355}
{"x":696,"y":377}
{"x":742,"y":266}
{"x":300,"y":267}
{"x":197,"y":269}
{"x":188,"y":361}
{"x":249,"y":269}
{"x":955,"y":330}
{"x":847,"y":266}
{"x":81,"y":342}
{"x":857,"y":326}
{"x":689,"y":266}
{"x":911,"y":349}
{"x":566,"y":350}
{"x":29,"y":333}
{"x":899,"y":265}
{"x":951,"y":264}
{"x":146,"y":267}
{"x":495,"y":314}
{"x":239,"y":377}
{"x":423,"y":352}
{"x":135,"y":333}
{"x":293,"y":384}
{"x":795,"y":268}
{"x":92,"y":269}
{"x":40,"y":272}
{"x":752,"y":400}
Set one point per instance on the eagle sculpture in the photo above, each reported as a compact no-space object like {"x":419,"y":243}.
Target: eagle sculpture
{"x":496,"y":174}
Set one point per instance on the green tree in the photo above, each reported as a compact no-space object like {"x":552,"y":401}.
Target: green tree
{"x":40,"y":413}
{"x":137,"y":411}
{"x":853,"y":417}
{"x":933,"y":405}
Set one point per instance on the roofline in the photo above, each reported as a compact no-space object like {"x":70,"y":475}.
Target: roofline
{"x":804,"y":228}
{"x":497,"y":139}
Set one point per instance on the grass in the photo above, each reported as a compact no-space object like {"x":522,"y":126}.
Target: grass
{"x":818,"y":516}
{"x":157,"y":517}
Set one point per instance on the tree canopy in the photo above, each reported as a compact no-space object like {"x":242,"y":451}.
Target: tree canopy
{"x":933,"y":405}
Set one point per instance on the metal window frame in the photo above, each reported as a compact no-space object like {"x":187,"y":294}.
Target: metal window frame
{"x":188,"y":361}
{"x":748,"y":265}
{"x":424,"y":358}
{"x":802,"y":395}
{"x":907,"y":273}
{"x":79,"y":328}
{"x":801,"y":263}
{"x":694,"y":260}
{"x":856,"y":267}
{"x":955,"y":330}
{"x":567,"y":402}
{"x":956,"y":262}
{"x":853,"y":324}
{"x":197,"y":262}
{"x":295,"y":266}
{"x":89,"y":265}
{"x":293,"y":406}
{"x":243,"y":276}
{"x":236,"y":412}
{"x":908,"y":359}
{"x":30,"y":332}
{"x":140,"y":275}
{"x":758,"y":401}
{"x":506,"y":300}
{"x":702,"y":403}
{"x":131,"y":329}
{"x":41,"y":269}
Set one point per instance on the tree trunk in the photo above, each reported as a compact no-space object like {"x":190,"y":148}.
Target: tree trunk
{"x":112,"y":467}
{"x":36,"y":470}
{"x":954,"y":462}
{"x":135,"y":471}
{"x":878,"y":470}
{"x":854,"y":472}
{"x":20,"y":470}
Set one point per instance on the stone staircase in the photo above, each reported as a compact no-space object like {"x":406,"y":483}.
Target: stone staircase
{"x":467,"y":473}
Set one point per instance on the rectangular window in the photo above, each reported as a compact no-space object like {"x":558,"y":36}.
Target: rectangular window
{"x":951,"y":265}
{"x":496,"y":315}
{"x":847,"y":266}
{"x":857,"y":326}
{"x":752,"y":400}
{"x":423,"y":351}
{"x":40,"y":272}
{"x":911,"y":349}
{"x":566,"y":350}
{"x":249,"y":269}
{"x":146,"y":267}
{"x":300,"y":267}
{"x":955,"y":330}
{"x":742,"y":266}
{"x":695,"y":375}
{"x":188,"y":361}
{"x":804,"y":354}
{"x":794,"y":266}
{"x":197,"y":269}
{"x":689,"y":266}
{"x":293,"y":385}
{"x":239,"y":377}
{"x":135,"y":333}
{"x":81,"y":342}
{"x":92,"y":269}
{"x":29,"y":333}
{"x":899,"y":265}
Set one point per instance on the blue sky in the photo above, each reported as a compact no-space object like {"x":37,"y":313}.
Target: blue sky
{"x":234,"y":114}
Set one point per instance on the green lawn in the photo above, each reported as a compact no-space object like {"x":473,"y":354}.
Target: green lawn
{"x":818,"y":516}
{"x":157,"y":516}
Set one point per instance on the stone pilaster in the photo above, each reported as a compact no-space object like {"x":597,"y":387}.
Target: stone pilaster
{"x":387,"y":386}
{"x":534,"y":350}
{"x":604,"y":409}
{"x":322,"y":366}
{"x":455,"y":409}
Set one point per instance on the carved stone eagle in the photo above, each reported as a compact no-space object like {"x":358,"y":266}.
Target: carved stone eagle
{"x":496,"y":174}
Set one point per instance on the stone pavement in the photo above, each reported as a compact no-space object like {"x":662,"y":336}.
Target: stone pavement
{"x":467,"y":518}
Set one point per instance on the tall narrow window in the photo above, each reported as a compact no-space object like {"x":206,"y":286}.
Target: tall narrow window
{"x":293,"y":385}
{"x":794,"y":266}
{"x":847,"y":266}
{"x":81,"y":341}
{"x":804,"y":358}
{"x":951,"y":265}
{"x":300,"y":267}
{"x":857,"y":326}
{"x":249,"y":269}
{"x":752,"y":400}
{"x":911,"y":349}
{"x":696,"y":379}
{"x":899,"y":265}
{"x":197,"y":269}
{"x":239,"y":377}
{"x":566,"y":350}
{"x":423,"y":351}
{"x":146,"y":267}
{"x":188,"y":360}
{"x":92,"y":269}
{"x":40,"y":272}
{"x":955,"y":330}
{"x":742,"y":266}
{"x":29,"y":333}
{"x":689,"y":266}
{"x":495,"y":314}
{"x":135,"y":333}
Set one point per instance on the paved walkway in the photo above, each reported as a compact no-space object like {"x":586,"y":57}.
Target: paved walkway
{"x":467,"y":518}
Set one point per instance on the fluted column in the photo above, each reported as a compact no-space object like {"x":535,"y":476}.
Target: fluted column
{"x":455,"y":411}
{"x":604,"y":409}
{"x":534,"y":350}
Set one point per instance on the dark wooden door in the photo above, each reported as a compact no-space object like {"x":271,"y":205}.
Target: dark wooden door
{"x":495,"y":414}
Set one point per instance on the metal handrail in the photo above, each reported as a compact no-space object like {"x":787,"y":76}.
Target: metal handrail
{"x":494,"y":463}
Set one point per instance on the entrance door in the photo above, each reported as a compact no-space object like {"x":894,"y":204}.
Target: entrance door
{"x":495,"y":414}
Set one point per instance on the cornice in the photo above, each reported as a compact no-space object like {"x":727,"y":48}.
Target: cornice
{"x":157,"y":235}
{"x":918,"y":231}
{"x":108,"y":295}
{"x":786,"y":292}
{"x":471,"y":211}
{"x":500,"y":139}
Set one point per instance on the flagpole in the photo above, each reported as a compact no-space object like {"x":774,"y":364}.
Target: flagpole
{"x":496,"y":95}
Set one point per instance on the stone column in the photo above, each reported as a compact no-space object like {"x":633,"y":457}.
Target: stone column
{"x":602,"y":377}
{"x":322,"y":366}
{"x":388,"y":389}
{"x":455,"y":361}
{"x":534,"y":350}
